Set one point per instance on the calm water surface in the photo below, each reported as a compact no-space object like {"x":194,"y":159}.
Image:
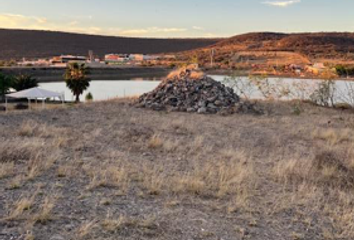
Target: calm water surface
{"x":104,"y":90}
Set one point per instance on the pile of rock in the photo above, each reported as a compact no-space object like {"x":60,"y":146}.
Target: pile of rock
{"x":189,"y":90}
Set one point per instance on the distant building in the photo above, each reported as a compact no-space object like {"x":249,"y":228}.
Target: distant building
{"x":136,"y":57}
{"x":71,"y":59}
{"x":169,"y":57}
{"x":316,"y":68}
{"x":319,"y":66}
{"x":65,"y":59}
{"x":116,"y":58}
{"x":38,"y":62}
{"x":142,"y":57}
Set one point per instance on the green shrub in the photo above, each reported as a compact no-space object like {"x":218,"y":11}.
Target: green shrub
{"x":89,"y":97}
{"x":6,"y":83}
{"x":23,"y":82}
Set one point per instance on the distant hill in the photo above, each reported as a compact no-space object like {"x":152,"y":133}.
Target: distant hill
{"x":274,"y":47}
{"x":15,"y":44}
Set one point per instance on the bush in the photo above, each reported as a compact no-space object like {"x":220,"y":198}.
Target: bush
{"x":6,"y":83}
{"x":324,"y":94}
{"x":23,"y":82}
{"x":21,"y":106}
{"x":89,"y":97}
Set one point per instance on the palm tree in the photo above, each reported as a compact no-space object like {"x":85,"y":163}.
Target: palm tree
{"x":23,"y":82}
{"x":76,"y":79}
{"x":5,"y":84}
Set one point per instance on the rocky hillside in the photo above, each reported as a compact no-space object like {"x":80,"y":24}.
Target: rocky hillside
{"x":305,"y":46}
{"x":16,"y":44}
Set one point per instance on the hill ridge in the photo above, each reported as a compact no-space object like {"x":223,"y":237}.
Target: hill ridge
{"x":15,"y":44}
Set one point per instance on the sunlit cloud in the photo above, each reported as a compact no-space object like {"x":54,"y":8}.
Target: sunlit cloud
{"x":281,"y":3}
{"x":14,"y":20}
{"x":75,"y":25}
{"x":151,"y":30}
{"x":198,"y":28}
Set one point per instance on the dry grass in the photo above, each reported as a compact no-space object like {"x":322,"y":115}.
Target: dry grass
{"x":201,"y":177}
{"x":325,"y":169}
{"x":322,"y":182}
{"x":233,"y":175}
{"x":45,"y":211}
{"x":34,"y":129}
{"x":16,"y":182}
{"x":155,"y":142}
{"x":115,"y":226}
{"x":6,"y":169}
{"x":19,"y":150}
{"x":41,"y":162}
{"x":333,"y":136}
{"x":193,"y":73}
{"x":108,"y":176}
{"x":22,"y":205}
{"x":217,"y":178}
{"x":85,"y":229}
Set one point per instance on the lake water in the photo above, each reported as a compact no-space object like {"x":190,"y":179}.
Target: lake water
{"x":299,"y":88}
{"x":104,"y":90}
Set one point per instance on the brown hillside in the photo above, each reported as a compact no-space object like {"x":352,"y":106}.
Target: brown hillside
{"x":303,"y":46}
{"x":15,"y":44}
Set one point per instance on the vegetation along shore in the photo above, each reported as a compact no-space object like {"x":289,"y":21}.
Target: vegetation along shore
{"x":47,"y":74}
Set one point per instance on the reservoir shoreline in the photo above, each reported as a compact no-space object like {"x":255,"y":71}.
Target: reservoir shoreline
{"x":50,"y":74}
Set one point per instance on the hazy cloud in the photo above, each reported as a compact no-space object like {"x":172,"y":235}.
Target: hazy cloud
{"x":144,"y":31}
{"x":198,"y":28}
{"x":281,"y":3}
{"x":75,"y":25}
{"x":14,"y":20}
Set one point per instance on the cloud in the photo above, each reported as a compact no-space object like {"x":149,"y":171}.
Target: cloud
{"x":151,"y":30}
{"x":198,"y":28}
{"x":73,"y":23}
{"x":282,"y":3}
{"x":15,"y":21}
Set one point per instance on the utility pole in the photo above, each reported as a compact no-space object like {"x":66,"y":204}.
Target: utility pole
{"x":91,"y":56}
{"x":212,"y":53}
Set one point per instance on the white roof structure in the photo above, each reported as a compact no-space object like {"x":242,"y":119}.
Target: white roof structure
{"x":35,"y":93}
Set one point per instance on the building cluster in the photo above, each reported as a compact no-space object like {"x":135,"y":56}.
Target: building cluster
{"x":91,"y":60}
{"x":313,"y":69}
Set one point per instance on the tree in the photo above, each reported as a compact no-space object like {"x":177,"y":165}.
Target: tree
{"x":76,"y":79}
{"x":5,"y":84}
{"x":23,"y":82}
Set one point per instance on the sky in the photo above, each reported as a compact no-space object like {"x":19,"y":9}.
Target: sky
{"x":178,"y":18}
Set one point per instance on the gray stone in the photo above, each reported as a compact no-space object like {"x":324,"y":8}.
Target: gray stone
{"x":211,"y":105}
{"x":183,"y":92}
{"x":212,"y":99}
{"x":202,"y":110}
{"x":218,"y":103}
{"x":57,"y":237}
{"x":201,"y":104}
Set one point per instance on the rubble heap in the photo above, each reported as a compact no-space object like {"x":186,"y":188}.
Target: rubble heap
{"x":189,"y":90}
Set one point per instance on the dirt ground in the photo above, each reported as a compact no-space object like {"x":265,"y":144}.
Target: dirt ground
{"x":111,"y":171}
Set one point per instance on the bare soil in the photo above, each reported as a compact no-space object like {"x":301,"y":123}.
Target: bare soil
{"x":108,"y":170}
